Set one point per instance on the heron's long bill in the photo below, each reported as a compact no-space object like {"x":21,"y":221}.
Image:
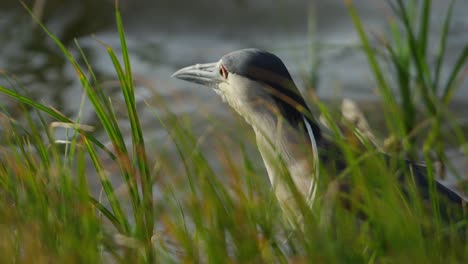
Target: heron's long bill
{"x":205,"y":74}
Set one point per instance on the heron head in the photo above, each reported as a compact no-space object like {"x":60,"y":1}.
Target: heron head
{"x":250,"y":81}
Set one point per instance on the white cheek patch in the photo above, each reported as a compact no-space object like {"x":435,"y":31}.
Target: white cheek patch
{"x":221,"y":91}
{"x":232,"y":91}
{"x":244,"y":96}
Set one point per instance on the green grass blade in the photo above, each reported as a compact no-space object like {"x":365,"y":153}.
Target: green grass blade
{"x":126,"y":81}
{"x":108,"y":214}
{"x":54,"y":114}
{"x":442,"y":44}
{"x":123,"y":224}
{"x":424,"y":27}
{"x":423,"y":73}
{"x":123,"y":43}
{"x":450,"y":87}
{"x":384,"y":87}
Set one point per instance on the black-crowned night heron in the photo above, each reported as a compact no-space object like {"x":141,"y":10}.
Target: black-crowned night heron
{"x":257,"y":85}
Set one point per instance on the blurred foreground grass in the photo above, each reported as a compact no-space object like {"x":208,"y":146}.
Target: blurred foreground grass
{"x":170,"y":214}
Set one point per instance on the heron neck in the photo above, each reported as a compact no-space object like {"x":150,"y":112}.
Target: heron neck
{"x":287,"y":152}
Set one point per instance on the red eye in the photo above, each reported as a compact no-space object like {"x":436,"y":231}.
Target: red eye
{"x":223,"y":72}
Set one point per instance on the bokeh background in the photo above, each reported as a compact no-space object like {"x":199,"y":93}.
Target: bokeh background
{"x":315,"y":39}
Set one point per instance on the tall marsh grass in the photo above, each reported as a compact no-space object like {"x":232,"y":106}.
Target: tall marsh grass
{"x":48,"y":213}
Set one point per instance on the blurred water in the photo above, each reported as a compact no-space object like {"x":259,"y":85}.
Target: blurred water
{"x":168,"y":34}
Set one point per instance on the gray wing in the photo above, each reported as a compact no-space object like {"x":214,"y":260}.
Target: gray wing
{"x":422,"y":179}
{"x":452,"y":203}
